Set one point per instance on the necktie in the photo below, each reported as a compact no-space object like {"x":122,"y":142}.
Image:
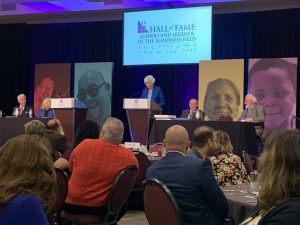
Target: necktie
{"x":191,"y":115}
{"x":21,"y":110}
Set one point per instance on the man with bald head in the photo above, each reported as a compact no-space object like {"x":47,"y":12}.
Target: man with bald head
{"x":94,"y":92}
{"x":190,"y":180}
{"x":56,"y":135}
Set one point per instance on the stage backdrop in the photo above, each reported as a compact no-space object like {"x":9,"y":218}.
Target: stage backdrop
{"x":93,"y":87}
{"x":274,"y":83}
{"x":221,"y":85}
{"x":51,"y":81}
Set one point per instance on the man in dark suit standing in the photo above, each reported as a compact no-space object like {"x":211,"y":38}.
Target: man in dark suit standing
{"x":193,"y":113}
{"x":23,"y":110}
{"x":190,"y":180}
{"x":254,"y":113}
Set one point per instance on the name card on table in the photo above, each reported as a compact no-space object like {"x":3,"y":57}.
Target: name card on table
{"x":59,"y":103}
{"x":132,"y":145}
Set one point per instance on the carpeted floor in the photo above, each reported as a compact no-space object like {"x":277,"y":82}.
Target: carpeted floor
{"x":134,"y":218}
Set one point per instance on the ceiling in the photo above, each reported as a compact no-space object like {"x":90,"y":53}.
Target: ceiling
{"x":41,"y":11}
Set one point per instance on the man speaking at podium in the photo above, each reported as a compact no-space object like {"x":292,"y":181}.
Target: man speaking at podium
{"x":23,"y":110}
{"x":153,"y":92}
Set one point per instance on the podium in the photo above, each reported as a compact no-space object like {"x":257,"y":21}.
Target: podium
{"x":139,"y":112}
{"x":71,"y":114}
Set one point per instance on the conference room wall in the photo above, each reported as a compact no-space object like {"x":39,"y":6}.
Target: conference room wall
{"x":243,"y":35}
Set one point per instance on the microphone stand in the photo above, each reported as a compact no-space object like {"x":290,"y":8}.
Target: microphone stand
{"x":294,"y":118}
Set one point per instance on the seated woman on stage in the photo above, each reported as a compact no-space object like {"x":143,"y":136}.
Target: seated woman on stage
{"x":227,"y":167}
{"x":46,"y":111}
{"x":27,"y":181}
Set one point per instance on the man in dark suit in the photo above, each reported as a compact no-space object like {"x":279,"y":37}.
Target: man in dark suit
{"x":193,"y":113}
{"x":254,"y":113}
{"x":190,"y":180}
{"x":56,"y":135}
{"x":23,"y":110}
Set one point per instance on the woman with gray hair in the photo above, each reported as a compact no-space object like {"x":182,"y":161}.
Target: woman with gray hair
{"x":153,"y":92}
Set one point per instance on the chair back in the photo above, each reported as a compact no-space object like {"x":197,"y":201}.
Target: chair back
{"x":144,"y":163}
{"x":121,"y":189}
{"x":248,"y":162}
{"x":160,"y":205}
{"x":61,"y":193}
{"x":156,"y":147}
{"x":225,"y":118}
{"x":118,"y":195}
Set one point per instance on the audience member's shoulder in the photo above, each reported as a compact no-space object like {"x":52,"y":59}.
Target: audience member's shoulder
{"x":26,"y":201}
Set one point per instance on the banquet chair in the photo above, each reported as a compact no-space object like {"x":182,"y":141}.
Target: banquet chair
{"x":156,"y":147}
{"x":61,"y":194}
{"x":225,"y":118}
{"x":118,"y":195}
{"x":160,"y":205}
{"x":248,"y":162}
{"x":136,"y":196}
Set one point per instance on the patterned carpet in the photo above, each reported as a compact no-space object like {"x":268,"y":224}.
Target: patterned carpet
{"x":134,"y":218}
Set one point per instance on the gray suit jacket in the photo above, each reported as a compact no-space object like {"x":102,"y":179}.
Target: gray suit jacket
{"x":257,"y":113}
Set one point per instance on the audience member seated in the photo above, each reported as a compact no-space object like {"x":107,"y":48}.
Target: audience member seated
{"x":88,"y":129}
{"x":23,"y":109}
{"x":279,"y":195}
{"x":193,"y":113}
{"x":190,"y":180}
{"x":227,"y":167}
{"x":27,"y":181}
{"x":56,"y":135}
{"x":38,"y":128}
{"x":203,"y":143}
{"x":46,"y":111}
{"x":94,"y":164}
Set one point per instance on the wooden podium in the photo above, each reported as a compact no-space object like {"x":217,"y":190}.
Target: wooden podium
{"x":70,"y":114}
{"x":139,"y":112}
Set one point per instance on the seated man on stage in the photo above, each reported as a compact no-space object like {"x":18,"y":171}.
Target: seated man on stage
{"x":254,"y":113}
{"x":23,"y":110}
{"x":193,"y":113}
{"x":190,"y":180}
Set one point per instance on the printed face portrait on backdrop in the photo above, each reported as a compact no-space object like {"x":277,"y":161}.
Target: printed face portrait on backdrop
{"x":274,"y":83}
{"x":221,"y":89}
{"x":93,"y":88}
{"x":51,"y":81}
{"x":222,"y":99}
{"x":94,"y":92}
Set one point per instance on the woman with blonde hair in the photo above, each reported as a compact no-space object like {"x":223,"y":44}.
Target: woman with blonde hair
{"x":228,"y":168}
{"x":279,"y":195}
{"x":46,"y":111}
{"x":27,"y":181}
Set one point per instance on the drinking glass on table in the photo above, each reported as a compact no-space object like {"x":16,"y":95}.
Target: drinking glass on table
{"x":254,"y":177}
